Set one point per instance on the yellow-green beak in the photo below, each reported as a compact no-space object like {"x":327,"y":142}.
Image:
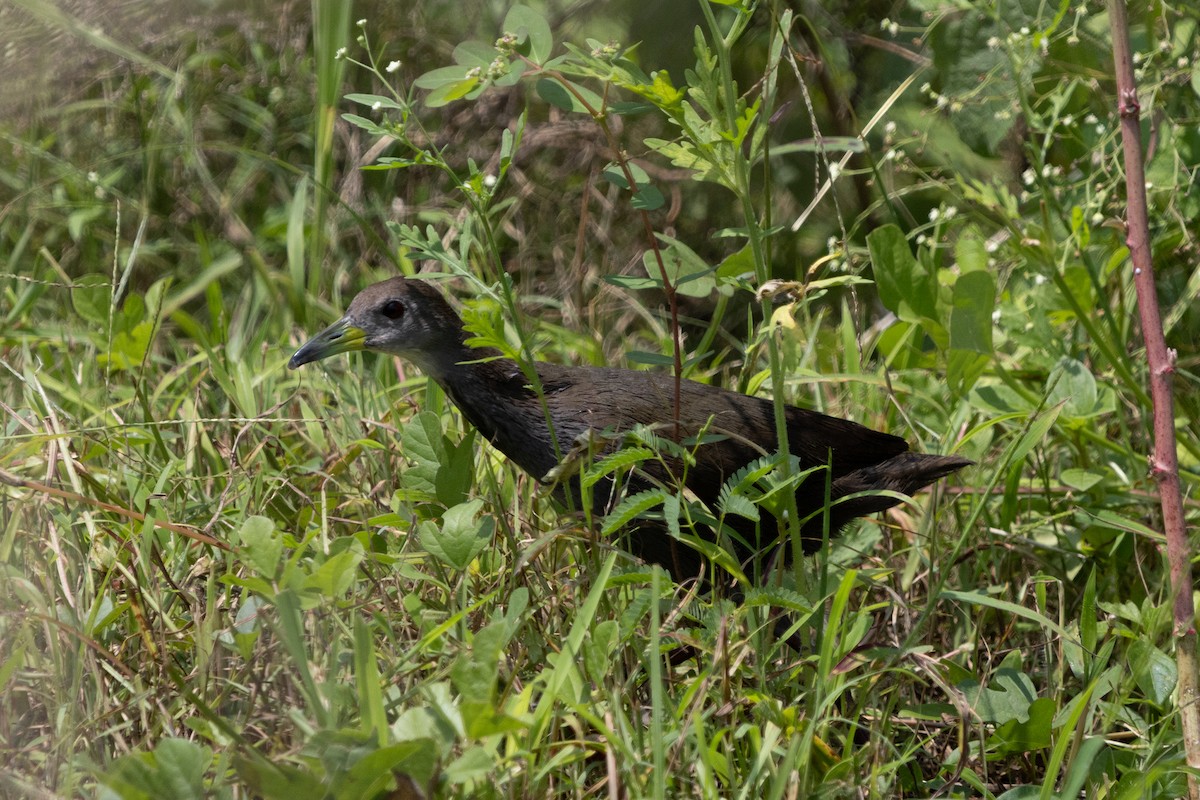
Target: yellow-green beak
{"x":340,"y":337}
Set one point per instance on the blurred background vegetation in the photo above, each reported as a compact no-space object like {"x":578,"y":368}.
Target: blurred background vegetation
{"x":181,"y":203}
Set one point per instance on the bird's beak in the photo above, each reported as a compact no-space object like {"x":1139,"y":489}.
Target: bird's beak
{"x":340,"y":337}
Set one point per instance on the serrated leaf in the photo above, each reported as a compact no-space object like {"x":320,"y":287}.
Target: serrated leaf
{"x":622,"y":459}
{"x":631,"y":507}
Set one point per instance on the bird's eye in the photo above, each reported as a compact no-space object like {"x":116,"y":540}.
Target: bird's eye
{"x":392,"y":309}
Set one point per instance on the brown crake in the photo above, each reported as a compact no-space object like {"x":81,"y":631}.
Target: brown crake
{"x":411,"y":319}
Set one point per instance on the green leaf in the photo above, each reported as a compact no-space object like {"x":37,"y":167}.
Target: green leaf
{"x":1008,"y":696}
{"x":442,"y":76}
{"x":373,"y":100}
{"x":262,"y":545}
{"x":532,"y":31}
{"x":631,"y":507}
{"x":622,"y":459}
{"x":974,"y":299}
{"x":450,"y":92}
{"x":905,"y":286}
{"x":336,"y":575}
{"x":1154,"y":671}
{"x":689,"y":273}
{"x":461,"y":537}
{"x":556,"y":93}
{"x":474,"y":672}
{"x":423,"y":442}
{"x":91,"y":297}
{"x":598,"y":649}
{"x":1025,"y":736}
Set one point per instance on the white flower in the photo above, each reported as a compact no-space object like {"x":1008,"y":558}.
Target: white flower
{"x":1029,"y":177}
{"x":341,"y":53}
{"x":934,"y":214}
{"x":890,"y":128}
{"x":1097,"y":218}
{"x":362,"y":23}
{"x":376,"y":105}
{"x":993,"y":43}
{"x":489,"y":181}
{"x":392,"y":66}
{"x":835,"y":170}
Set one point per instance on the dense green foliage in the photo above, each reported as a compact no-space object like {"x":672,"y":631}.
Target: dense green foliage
{"x":914,"y":222}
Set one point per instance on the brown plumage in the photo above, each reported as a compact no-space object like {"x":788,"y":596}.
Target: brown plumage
{"x":411,"y":319}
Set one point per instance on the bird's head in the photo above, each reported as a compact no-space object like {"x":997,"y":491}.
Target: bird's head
{"x":400,"y":316}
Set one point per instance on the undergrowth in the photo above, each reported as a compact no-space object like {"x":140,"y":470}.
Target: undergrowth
{"x":390,"y":608}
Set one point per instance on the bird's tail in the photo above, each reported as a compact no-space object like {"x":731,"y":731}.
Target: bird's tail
{"x":906,"y":473}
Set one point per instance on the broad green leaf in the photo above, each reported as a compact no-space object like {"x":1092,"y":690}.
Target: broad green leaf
{"x":262,"y":545}
{"x":532,"y":31}
{"x":1154,"y":671}
{"x":569,"y":96}
{"x":905,"y":286}
{"x":461,"y":536}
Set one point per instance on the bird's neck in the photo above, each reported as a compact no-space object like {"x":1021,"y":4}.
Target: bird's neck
{"x":496,"y":397}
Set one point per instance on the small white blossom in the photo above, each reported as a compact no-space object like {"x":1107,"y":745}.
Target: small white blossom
{"x":893,"y":28}
{"x":1068,"y":121}
{"x":1038,"y":280}
{"x":992,"y":245}
{"x":889,"y":128}
{"x":1029,"y":177}
{"x":1149,"y":186}
{"x":392,"y":66}
{"x":1097,"y":218}
{"x":993,"y":43}
{"x":996,"y":317}
{"x":934,"y":214}
{"x":942,"y":101}
{"x":1024,"y":30}
{"x":362,"y":23}
{"x":376,"y":105}
{"x":1181,"y":62}
{"x":949,"y":212}
{"x":835,"y":170}
{"x":341,"y":53}
{"x":489,"y":181}
{"x":92,"y":176}
{"x":890,"y":155}
{"x":920,"y":238}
